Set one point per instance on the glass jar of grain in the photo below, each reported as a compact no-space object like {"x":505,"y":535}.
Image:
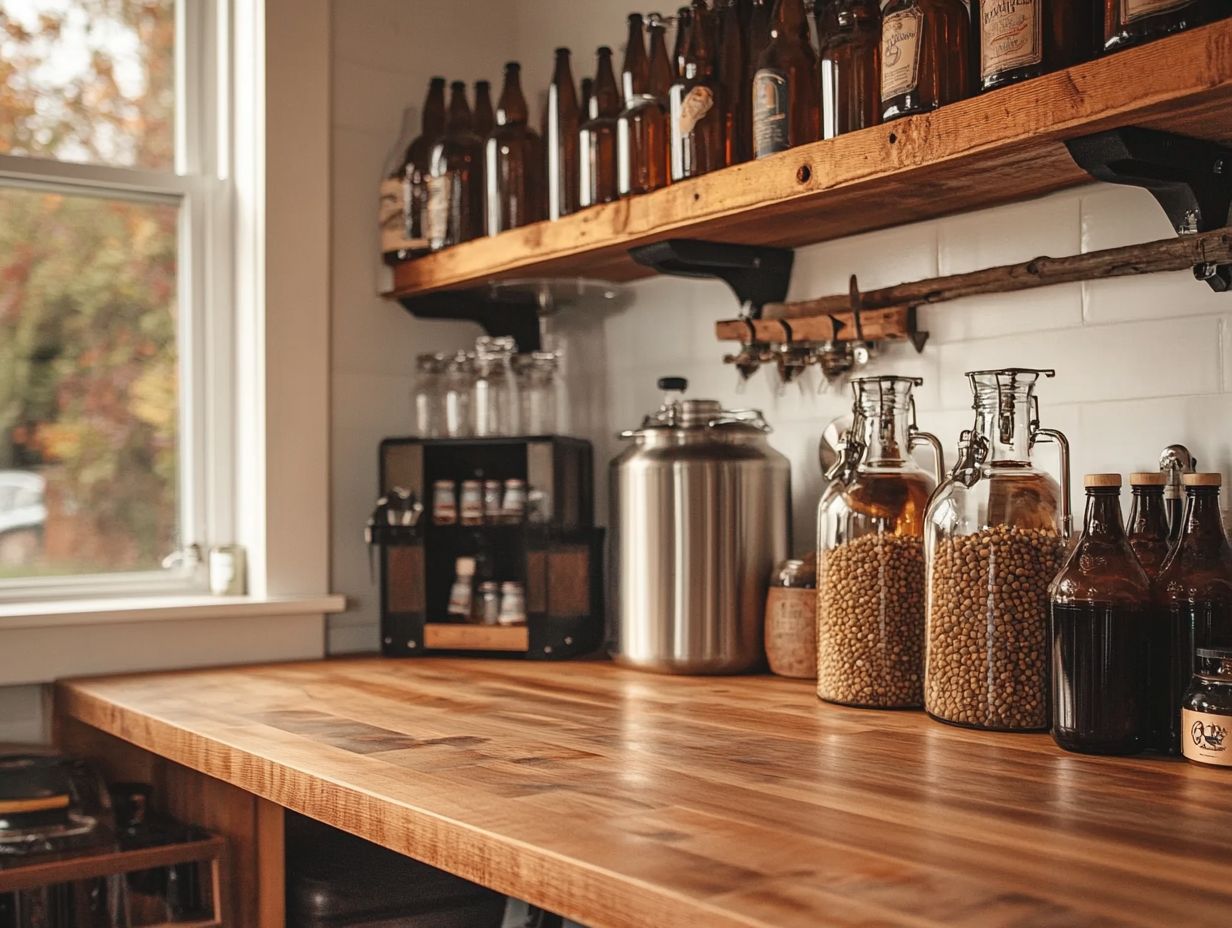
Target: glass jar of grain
{"x":870,"y":544}
{"x":996,"y":533}
{"x":791,"y":619}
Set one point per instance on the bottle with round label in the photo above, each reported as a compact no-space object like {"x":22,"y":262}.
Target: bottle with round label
{"x":925,"y":56}
{"x":1021,"y":39}
{"x":786,"y":84}
{"x":1206,"y":713}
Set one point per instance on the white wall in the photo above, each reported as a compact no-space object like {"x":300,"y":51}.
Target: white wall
{"x":1141,"y":362}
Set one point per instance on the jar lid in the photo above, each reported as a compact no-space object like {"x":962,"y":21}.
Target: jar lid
{"x":1148,"y":479}
{"x":1214,"y":654}
{"x":1102,"y":480}
{"x":1202,"y":480}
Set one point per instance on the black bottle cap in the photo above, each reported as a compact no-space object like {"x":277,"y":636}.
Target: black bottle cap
{"x":673,"y":383}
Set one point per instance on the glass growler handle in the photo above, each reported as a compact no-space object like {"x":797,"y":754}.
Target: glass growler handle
{"x":915,"y":438}
{"x":1058,"y":438}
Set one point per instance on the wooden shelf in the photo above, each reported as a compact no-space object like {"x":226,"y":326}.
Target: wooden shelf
{"x":624,"y":799}
{"x":999,"y":148}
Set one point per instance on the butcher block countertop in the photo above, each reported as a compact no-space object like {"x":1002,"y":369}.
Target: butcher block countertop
{"x":634,"y":801}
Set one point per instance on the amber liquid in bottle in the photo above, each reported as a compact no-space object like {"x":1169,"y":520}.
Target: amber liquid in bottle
{"x":737,"y":102}
{"x":1132,"y":22}
{"x":416,"y":165}
{"x":560,"y":142}
{"x":695,"y":104}
{"x":484,"y":118}
{"x":786,"y":85}
{"x":514,"y":161}
{"x":1102,"y":627}
{"x":850,"y":36}
{"x":597,"y":138}
{"x":455,"y":205}
{"x":1021,"y":39}
{"x":1194,"y":592}
{"x":925,"y":56}
{"x":642,"y":143}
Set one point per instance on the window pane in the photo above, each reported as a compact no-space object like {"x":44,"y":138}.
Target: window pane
{"x":89,"y":81}
{"x":88,"y":384}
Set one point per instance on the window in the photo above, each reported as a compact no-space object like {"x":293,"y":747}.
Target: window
{"x":114,"y":288}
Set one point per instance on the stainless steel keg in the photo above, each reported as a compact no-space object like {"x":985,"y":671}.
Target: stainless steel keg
{"x":700,"y":517}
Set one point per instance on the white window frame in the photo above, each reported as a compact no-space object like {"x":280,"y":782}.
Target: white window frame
{"x":203,"y":186}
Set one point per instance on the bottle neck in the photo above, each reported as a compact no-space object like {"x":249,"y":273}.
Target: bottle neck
{"x":1103,"y":516}
{"x":1147,"y":516}
{"x":1006,"y":422}
{"x":605,"y":98}
{"x":661,"y":75}
{"x":434,"y":111}
{"x":790,"y":21}
{"x":1203,"y":520}
{"x":512,"y":107}
{"x":700,"y":55}
{"x":459,"y":112}
{"x":635,"y":75}
{"x":885,"y":433}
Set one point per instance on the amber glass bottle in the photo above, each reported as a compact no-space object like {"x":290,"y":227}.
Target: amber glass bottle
{"x":513,"y":161}
{"x":684,"y":27}
{"x":588,"y":92}
{"x":597,"y":137}
{"x":484,"y":119}
{"x":925,"y":56}
{"x":455,"y":211}
{"x":642,"y":143}
{"x":1194,"y":591}
{"x":733,"y":67}
{"x":1131,"y":22}
{"x":635,"y":72}
{"x":786,"y":86}
{"x":413,"y":171}
{"x":695,"y":103}
{"x":1021,"y":39}
{"x":561,"y":125}
{"x":849,"y":32}
{"x":1102,"y":627}
{"x":1148,"y":522}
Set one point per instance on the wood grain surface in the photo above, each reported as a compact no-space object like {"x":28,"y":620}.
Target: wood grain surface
{"x":625,"y":799}
{"x":997,"y":148}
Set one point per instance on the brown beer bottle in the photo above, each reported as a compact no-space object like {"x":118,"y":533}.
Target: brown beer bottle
{"x":588,"y":92}
{"x":695,"y":104}
{"x":1132,"y":22}
{"x":733,"y":71}
{"x":561,"y":124}
{"x":455,"y":210}
{"x":413,"y":172}
{"x":597,"y":138}
{"x":642,"y":145}
{"x":484,"y":119}
{"x":925,"y":56}
{"x":635,"y":73}
{"x":1147,"y":528}
{"x":513,"y":161}
{"x":786,"y":87}
{"x":850,"y":35}
{"x":684,"y":24}
{"x":1021,"y":39}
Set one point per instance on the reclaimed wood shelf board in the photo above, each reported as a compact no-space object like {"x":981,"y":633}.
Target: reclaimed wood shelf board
{"x":624,"y":799}
{"x":998,"y":148}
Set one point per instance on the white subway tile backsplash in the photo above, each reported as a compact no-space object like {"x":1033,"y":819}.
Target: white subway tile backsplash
{"x":1114,"y":216}
{"x":879,"y":259}
{"x":1010,"y":234}
{"x":997,"y":314}
{"x":1093,"y":363}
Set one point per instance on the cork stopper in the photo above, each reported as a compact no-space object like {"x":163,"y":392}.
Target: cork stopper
{"x":1102,"y":480}
{"x":1148,"y":479}
{"x":1202,"y":480}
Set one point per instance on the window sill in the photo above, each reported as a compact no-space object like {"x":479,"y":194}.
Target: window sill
{"x":43,"y":641}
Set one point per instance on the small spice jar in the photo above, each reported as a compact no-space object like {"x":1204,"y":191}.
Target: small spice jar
{"x":791,"y":619}
{"x":1206,"y":712}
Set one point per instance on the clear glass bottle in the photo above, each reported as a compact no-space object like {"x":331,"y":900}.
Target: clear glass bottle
{"x":1103,"y":627}
{"x":494,"y":405}
{"x":1194,"y":591}
{"x":870,"y":553}
{"x":458,"y":383}
{"x":429,"y":396}
{"x":995,"y":535}
{"x":1148,"y":522}
{"x":1206,"y":713}
{"x":538,"y":390}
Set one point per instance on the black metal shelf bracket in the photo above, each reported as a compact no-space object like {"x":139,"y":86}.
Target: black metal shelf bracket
{"x":757,"y":274}
{"x":508,"y":314}
{"x":1190,"y":178}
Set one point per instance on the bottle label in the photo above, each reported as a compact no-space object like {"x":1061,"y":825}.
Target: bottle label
{"x":1132,"y":10}
{"x":771,"y":111}
{"x":900,"y":53}
{"x":1011,"y":36}
{"x":393,"y":217}
{"x":693,"y":109}
{"x":436,"y":211}
{"x":1206,"y":738}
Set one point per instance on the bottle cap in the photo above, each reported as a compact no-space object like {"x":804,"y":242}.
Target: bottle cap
{"x":466,"y":567}
{"x":1102,"y":480}
{"x":1202,"y":480}
{"x":1148,"y":479}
